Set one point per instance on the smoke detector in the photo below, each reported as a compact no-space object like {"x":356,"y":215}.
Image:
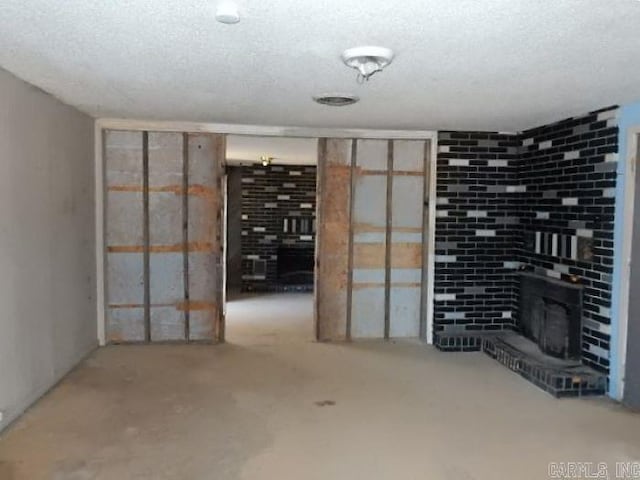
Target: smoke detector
{"x":367,"y":60}
{"x":227,"y":12}
{"x":335,"y":99}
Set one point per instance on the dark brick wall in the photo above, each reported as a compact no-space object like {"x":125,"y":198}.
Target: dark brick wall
{"x":269,"y":196}
{"x":477,"y":231}
{"x":569,"y":172}
{"x":234,"y":228}
{"x":547,"y":198}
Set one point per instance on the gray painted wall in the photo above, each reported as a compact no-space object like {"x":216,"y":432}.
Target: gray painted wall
{"x":47,"y":242}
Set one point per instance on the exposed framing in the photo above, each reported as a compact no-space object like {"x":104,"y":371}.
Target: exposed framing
{"x":101,"y":251}
{"x":320,"y":180}
{"x":224,"y":245}
{"x":426,"y":246}
{"x":193,"y":127}
{"x":387,"y":242}
{"x":221,"y":233}
{"x":146,"y":238}
{"x":352,"y":192}
{"x":185,"y":234}
{"x":431,"y":235}
{"x":632,"y":156}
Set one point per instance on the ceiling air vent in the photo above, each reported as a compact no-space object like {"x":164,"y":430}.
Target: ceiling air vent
{"x":336,"y":100}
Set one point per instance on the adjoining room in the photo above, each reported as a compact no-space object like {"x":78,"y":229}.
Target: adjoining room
{"x":270,"y":237}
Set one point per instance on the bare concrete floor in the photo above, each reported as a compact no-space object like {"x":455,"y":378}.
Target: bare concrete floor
{"x":269,"y":406}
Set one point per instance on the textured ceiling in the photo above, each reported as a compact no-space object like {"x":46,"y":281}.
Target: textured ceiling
{"x":482,"y":64}
{"x":286,"y":151}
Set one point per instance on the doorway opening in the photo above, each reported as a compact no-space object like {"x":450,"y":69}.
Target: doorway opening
{"x":270,"y":238}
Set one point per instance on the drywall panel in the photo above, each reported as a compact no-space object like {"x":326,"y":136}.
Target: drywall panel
{"x":369,"y":224}
{"x":204,"y":310}
{"x":166,"y":324}
{"x":407,"y":235}
{"x":165,"y":219}
{"x":124,"y":217}
{"x":47,"y":242}
{"x":126,"y":324}
{"x":166,"y":236}
{"x":405,"y":311}
{"x":125,"y":158}
{"x":367,"y":317}
{"x":370,"y":200}
{"x":165,"y":159}
{"x":407,"y":204}
{"x":124,"y":234}
{"x":125,"y":277}
{"x":372,"y":154}
{"x":408,"y":155}
{"x":166,"y":288}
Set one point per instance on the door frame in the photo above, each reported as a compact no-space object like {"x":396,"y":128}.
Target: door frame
{"x":102,"y":124}
{"x":630,"y":172}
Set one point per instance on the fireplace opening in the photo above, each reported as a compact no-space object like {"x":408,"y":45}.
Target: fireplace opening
{"x":295,"y":265}
{"x":554,"y":338}
{"x":551,"y":315}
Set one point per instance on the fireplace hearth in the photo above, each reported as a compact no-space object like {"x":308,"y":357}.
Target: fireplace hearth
{"x":545,"y":347}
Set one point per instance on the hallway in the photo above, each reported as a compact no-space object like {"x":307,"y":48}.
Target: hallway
{"x":269,"y":318}
{"x":272,"y":404}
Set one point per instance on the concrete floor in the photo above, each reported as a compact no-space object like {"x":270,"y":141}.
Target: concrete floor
{"x":271,"y":404}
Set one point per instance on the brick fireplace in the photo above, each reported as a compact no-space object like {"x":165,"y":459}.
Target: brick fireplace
{"x":551,"y":315}
{"x":541,"y":201}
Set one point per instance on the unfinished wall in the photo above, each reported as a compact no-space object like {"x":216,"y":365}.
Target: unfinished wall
{"x":333,"y":240}
{"x":163,"y":232}
{"x":371,"y":255}
{"x":47,"y":243}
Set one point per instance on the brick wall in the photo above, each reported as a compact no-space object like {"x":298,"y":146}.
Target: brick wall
{"x":234,"y":228}
{"x":278,"y":208}
{"x":477,"y":231}
{"x":542,"y":200}
{"x":567,"y":213}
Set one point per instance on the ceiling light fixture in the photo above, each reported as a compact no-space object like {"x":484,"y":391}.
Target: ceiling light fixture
{"x":367,"y":60}
{"x":227,"y":12}
{"x":266,"y":160}
{"x":335,"y":99}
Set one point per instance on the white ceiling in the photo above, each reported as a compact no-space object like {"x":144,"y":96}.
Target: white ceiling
{"x":461,"y":64}
{"x":286,"y":151}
